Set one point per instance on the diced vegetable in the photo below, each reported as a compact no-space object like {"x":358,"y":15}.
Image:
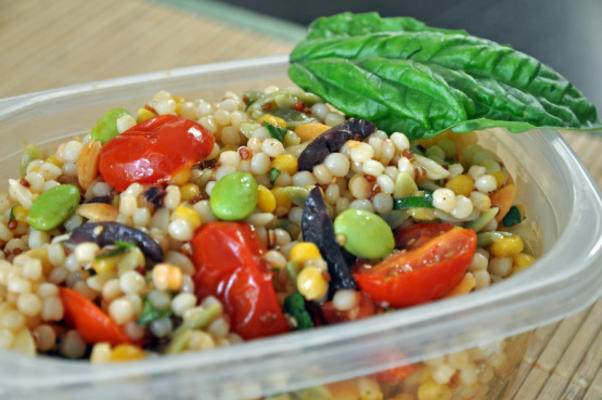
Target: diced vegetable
{"x":294,"y":305}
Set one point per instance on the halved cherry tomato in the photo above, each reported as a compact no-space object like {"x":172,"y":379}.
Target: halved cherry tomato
{"x":364,"y":308}
{"x":395,"y":375}
{"x":89,"y":320}
{"x":417,"y":235}
{"x":422,"y":273}
{"x":153,"y":151}
{"x":230,"y":265}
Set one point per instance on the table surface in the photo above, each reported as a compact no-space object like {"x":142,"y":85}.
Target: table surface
{"x":72,"y":41}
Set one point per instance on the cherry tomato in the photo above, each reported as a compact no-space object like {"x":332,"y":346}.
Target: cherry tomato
{"x":422,"y":273}
{"x":89,"y":320}
{"x":417,"y":235}
{"x":394,"y":375}
{"x":364,"y":308}
{"x":230,"y":265}
{"x":153,"y":151}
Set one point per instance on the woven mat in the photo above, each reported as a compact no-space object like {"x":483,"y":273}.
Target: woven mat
{"x":75,"y":41}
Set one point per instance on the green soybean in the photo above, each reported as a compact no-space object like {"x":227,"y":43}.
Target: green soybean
{"x":234,"y":196}
{"x":52,"y":207}
{"x":366,"y":234}
{"x":106,"y":127}
{"x":30,"y":153}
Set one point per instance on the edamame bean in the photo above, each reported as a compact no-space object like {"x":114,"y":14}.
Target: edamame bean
{"x":30,"y":153}
{"x":53,"y":207}
{"x":366,"y":234}
{"x":234,"y":196}
{"x":106,"y":127}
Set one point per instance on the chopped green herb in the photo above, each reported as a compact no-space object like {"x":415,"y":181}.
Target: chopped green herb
{"x":513,"y":217}
{"x":11,"y":216}
{"x":150,"y":313}
{"x":414,"y":201}
{"x":273,"y":175}
{"x":110,"y":253}
{"x":276,"y":132}
{"x":294,"y":305}
{"x":250,"y":103}
{"x":126,"y":245}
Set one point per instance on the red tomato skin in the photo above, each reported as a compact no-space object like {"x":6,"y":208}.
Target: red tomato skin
{"x":425,"y":280}
{"x":153,"y":151}
{"x":365,"y":308}
{"x":93,"y":324}
{"x":418,"y":234}
{"x":395,"y":375}
{"x":230,"y":265}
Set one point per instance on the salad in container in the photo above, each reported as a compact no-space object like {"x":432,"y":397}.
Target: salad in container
{"x":378,"y":228}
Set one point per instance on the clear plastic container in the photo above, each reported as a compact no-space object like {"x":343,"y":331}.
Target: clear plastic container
{"x":565,"y":223}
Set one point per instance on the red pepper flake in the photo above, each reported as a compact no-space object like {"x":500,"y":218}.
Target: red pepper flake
{"x":17,"y":251}
{"x":370,"y":178}
{"x":141,"y":269}
{"x":300,"y":106}
{"x":420,"y":173}
{"x":12,"y":224}
{"x":375,"y":190}
{"x":267,"y":106}
{"x":407,"y":153}
{"x":24,"y":182}
{"x":244,"y":153}
{"x":151,"y":109}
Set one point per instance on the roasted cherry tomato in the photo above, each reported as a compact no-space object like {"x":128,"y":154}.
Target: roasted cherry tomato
{"x":153,"y":151}
{"x":364,"y":308}
{"x":422,"y":273}
{"x":93,"y":324}
{"x":230,"y":265}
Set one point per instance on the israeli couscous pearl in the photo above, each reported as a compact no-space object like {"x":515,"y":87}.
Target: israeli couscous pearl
{"x":463,"y":207}
{"x":337,"y":164}
{"x":444,"y":199}
{"x":121,"y":310}
{"x":486,"y":183}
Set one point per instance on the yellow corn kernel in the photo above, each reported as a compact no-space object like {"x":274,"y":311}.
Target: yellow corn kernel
{"x":431,"y":390}
{"x":179,"y":99}
{"x":522,"y":261}
{"x":144,"y":114}
{"x":507,"y":246}
{"x":167,"y":277}
{"x":266,"y":201}
{"x":461,"y":185}
{"x":311,"y":283}
{"x":465,"y":286}
{"x":500,"y":178}
{"x":369,"y":389}
{"x":105,"y":265}
{"x":345,"y":390}
{"x":181,"y":177}
{"x":310,"y":131}
{"x":188,"y":214}
{"x":126,"y":352}
{"x":189,"y":191}
{"x":53,"y":160}
{"x":283,"y":203}
{"x":20,"y":213}
{"x":272,"y":120}
{"x":285,"y":162}
{"x":302,"y":252}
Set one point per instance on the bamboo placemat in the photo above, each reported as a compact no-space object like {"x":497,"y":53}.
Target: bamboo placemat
{"x":75,"y":41}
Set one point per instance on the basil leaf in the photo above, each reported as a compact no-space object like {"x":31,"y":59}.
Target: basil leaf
{"x":414,"y":201}
{"x":294,"y":305}
{"x":512,"y":217}
{"x":405,"y":76}
{"x":276,"y":132}
{"x":273,"y":175}
{"x":150,"y":313}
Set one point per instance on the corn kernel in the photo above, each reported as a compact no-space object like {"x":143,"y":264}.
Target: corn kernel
{"x":522,"y":261}
{"x":167,"y":277}
{"x":272,"y":120}
{"x":179,"y":99}
{"x":500,"y":178}
{"x":302,"y":252}
{"x":283,"y":203}
{"x":105,"y":265}
{"x":187,"y":214}
{"x":266,"y":201}
{"x":285,"y":162}
{"x":310,"y":131}
{"x":189,"y":191}
{"x":311,"y":283}
{"x":126,"y":352}
{"x":431,"y":390}
{"x":461,"y":185}
{"x":20,"y":213}
{"x":181,"y":177}
{"x":144,"y":114}
{"x":507,"y":246}
{"x":54,"y":160}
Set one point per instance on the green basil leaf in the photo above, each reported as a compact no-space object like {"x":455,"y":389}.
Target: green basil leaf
{"x":273,"y":175}
{"x":150,"y":313}
{"x":294,"y":305}
{"x":512,"y":217}
{"x":405,"y":76}
{"x":414,"y":201}
{"x":276,"y":132}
